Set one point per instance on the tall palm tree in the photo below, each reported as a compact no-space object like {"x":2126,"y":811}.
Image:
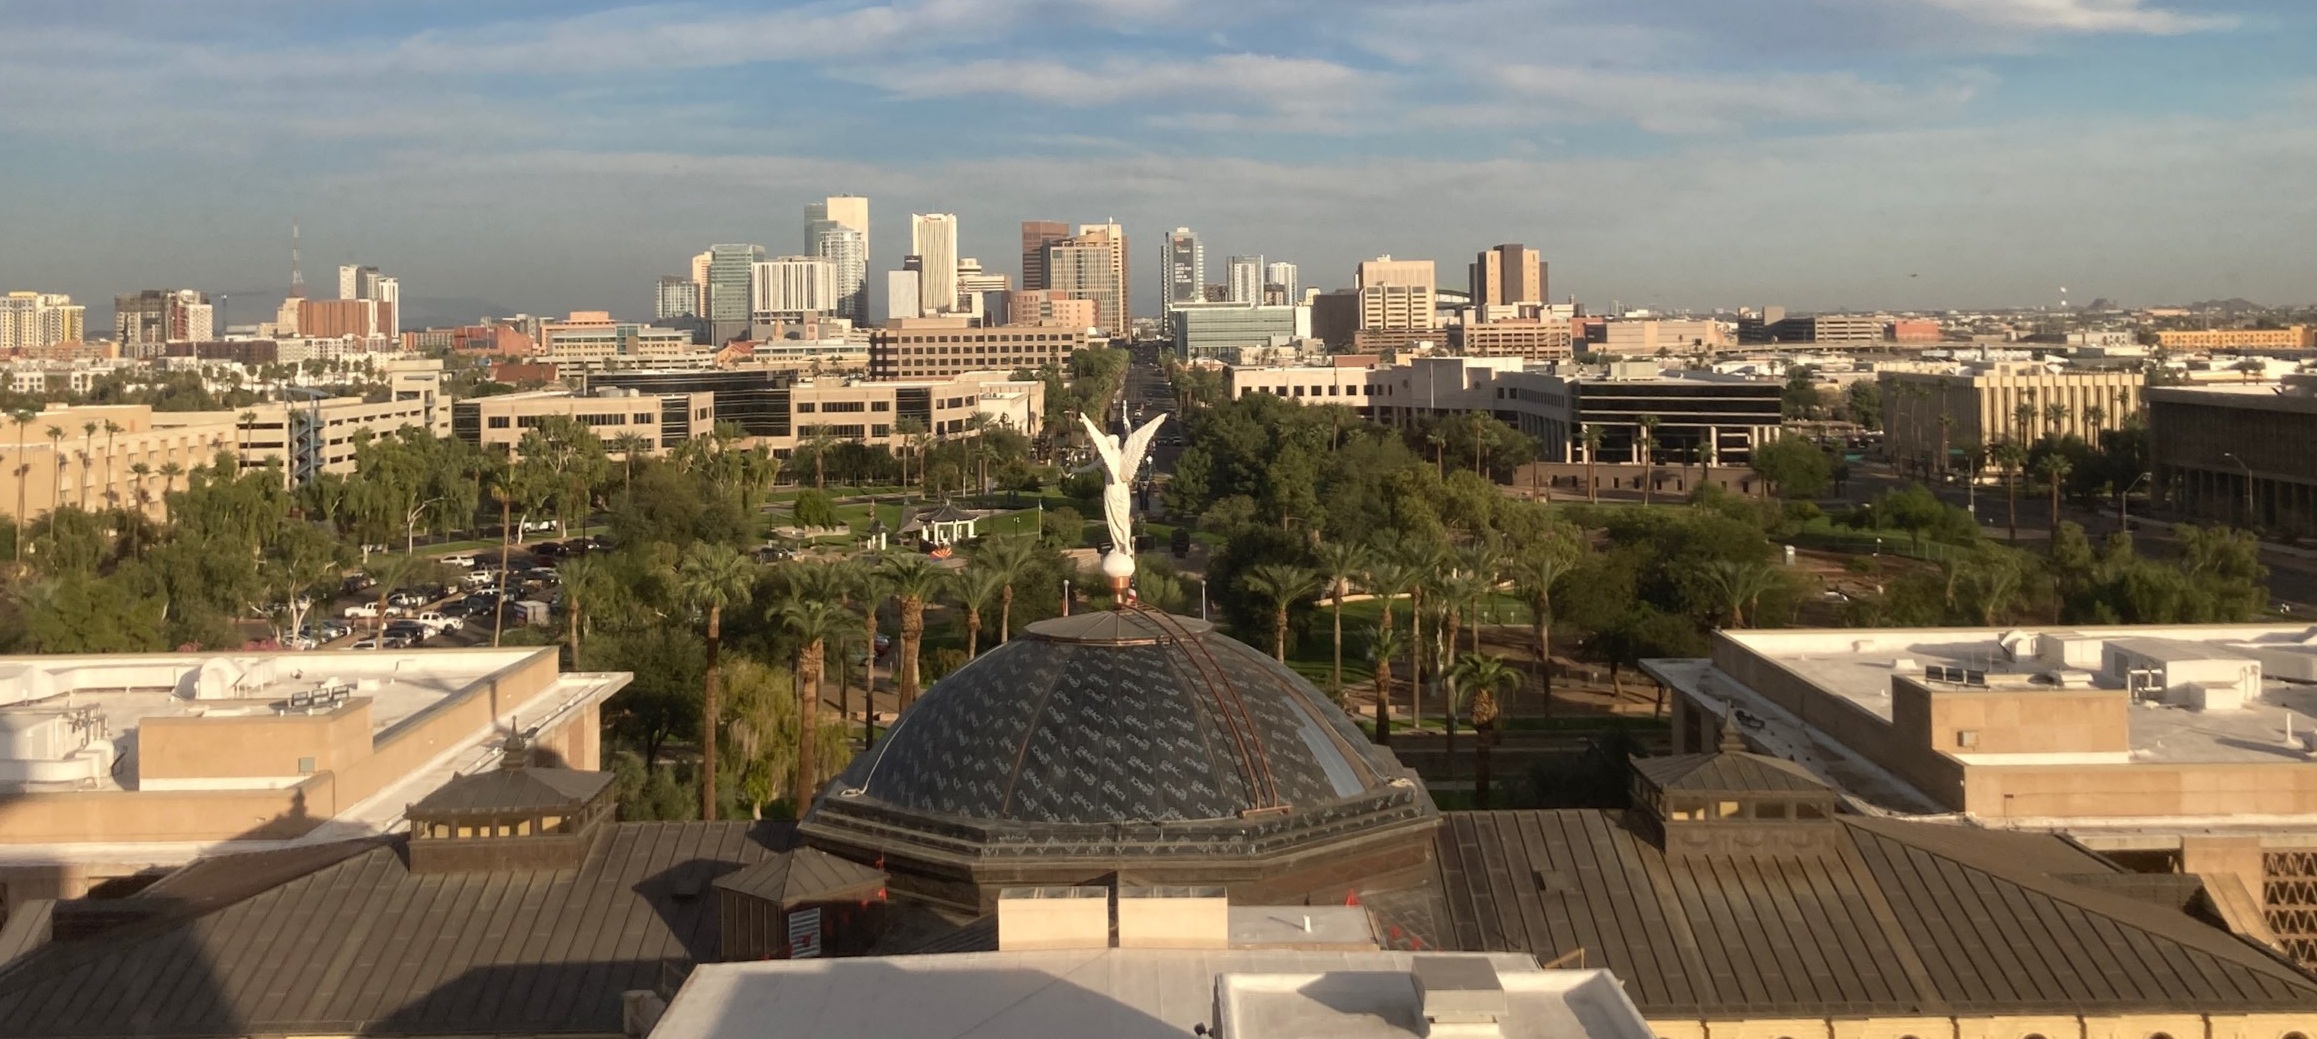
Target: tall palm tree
{"x":1426,"y":559}
{"x":974,"y":589}
{"x":1534,"y":574}
{"x":1009,"y":558}
{"x":170,"y":471}
{"x":912,"y":579}
{"x":2022,"y":420}
{"x":1383,"y":646}
{"x":88,"y":446}
{"x":2055,"y":468}
{"x":2055,"y":415}
{"x":858,"y":583}
{"x":1482,"y":675}
{"x":710,"y":577}
{"x":23,"y":417}
{"x":1340,"y":563}
{"x":112,"y":429}
{"x":2012,"y":460}
{"x":814,"y":624}
{"x":1280,"y":586}
{"x":1591,"y":438}
{"x":582,"y":579}
{"x":1644,"y":447}
{"x":1457,"y":591}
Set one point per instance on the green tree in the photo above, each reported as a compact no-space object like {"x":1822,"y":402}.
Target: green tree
{"x":708,"y":579}
{"x":1384,"y":647}
{"x":1541,"y":566}
{"x":1739,"y":583}
{"x":1009,"y":558}
{"x":815,"y":510}
{"x":1794,"y":468}
{"x":813,"y":625}
{"x":1482,"y":676}
{"x":975,"y":589}
{"x":1339,"y":564}
{"x":912,"y":580}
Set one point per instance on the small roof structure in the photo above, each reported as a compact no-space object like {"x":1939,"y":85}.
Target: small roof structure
{"x":804,"y":875}
{"x":1726,"y":773}
{"x":513,"y":791}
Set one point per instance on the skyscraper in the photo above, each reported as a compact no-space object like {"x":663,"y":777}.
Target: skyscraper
{"x":1508,"y":275}
{"x":143,"y":321}
{"x":794,"y":285}
{"x":837,"y":229}
{"x":1184,"y":268}
{"x":982,"y":294}
{"x":677,"y":296}
{"x":34,"y":320}
{"x":731,"y":289}
{"x":700,"y":282}
{"x":1246,"y":284}
{"x":1092,"y":265}
{"x":360,"y":282}
{"x":1036,"y":236}
{"x":902,"y":291}
{"x":1396,"y":295}
{"x":933,"y":239}
{"x":1280,"y":277}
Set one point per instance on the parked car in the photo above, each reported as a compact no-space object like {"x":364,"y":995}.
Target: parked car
{"x":358,"y":583}
{"x":537,"y":526}
{"x":406,"y":599}
{"x":391,"y":642}
{"x":478,"y":578}
{"x":548,"y":549}
{"x":362,"y":611}
{"x":460,"y":559}
{"x":299,"y":642}
{"x":578,"y":547}
{"x":439,"y":621}
{"x":411,"y":632}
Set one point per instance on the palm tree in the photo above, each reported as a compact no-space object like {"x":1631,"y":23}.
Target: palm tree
{"x":974,"y":589}
{"x":1009,"y":558}
{"x":56,"y":490}
{"x":1591,"y":438}
{"x":170,"y":471}
{"x":2055,"y":415}
{"x":912,"y":579}
{"x":1425,"y":560}
{"x":1644,"y":447}
{"x":858,"y":582}
{"x":2096,"y":417}
{"x":1339,"y":564}
{"x":814,"y":624}
{"x":2055,"y":468}
{"x":582,"y":580}
{"x":629,"y":445}
{"x":1534,"y":574}
{"x":1383,"y":646}
{"x":1482,"y":675}
{"x":1458,"y":590}
{"x":23,"y":417}
{"x":112,"y":429}
{"x":817,"y":436}
{"x":2012,"y":459}
{"x":1281,"y":585}
{"x":2022,"y":420}
{"x":1739,"y":584}
{"x":709,"y":578}
{"x":88,"y":446}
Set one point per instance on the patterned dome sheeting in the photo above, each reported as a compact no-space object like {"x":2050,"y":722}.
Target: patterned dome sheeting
{"x":1064,"y":725}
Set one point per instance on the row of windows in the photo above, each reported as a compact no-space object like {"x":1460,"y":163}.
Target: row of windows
{"x":806,"y":407}
{"x":1018,"y":337}
{"x":1362,"y":390}
{"x":641,"y":418}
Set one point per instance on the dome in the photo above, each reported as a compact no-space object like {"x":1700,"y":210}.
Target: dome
{"x":1119,"y":739}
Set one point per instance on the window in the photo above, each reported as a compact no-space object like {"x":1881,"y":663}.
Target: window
{"x":1769,"y":810}
{"x":499,"y":422}
{"x":880,"y":405}
{"x":1727,"y":809}
{"x":1809,"y":810}
{"x":848,"y":406}
{"x":804,"y":407}
{"x":641,"y":418}
{"x":880,"y":431}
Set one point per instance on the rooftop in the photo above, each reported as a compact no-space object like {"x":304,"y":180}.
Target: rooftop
{"x":1134,"y":994}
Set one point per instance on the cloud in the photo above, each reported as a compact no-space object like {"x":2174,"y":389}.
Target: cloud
{"x":2083,"y":16}
{"x":1258,"y":83}
{"x":1677,"y":103}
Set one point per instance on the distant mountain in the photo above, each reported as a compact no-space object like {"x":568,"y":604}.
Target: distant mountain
{"x":2231,"y":305}
{"x":445,"y":311}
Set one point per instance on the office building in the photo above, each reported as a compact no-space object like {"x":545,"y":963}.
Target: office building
{"x":1922,"y":330}
{"x":933,"y":240}
{"x":1036,"y":236}
{"x":1218,"y":331}
{"x":1655,"y":337}
{"x":1049,"y":307}
{"x":1182,"y":269}
{"x":1396,"y":295}
{"x":1931,"y":418}
{"x":850,"y":212}
{"x":1280,"y":286}
{"x":1508,"y":276}
{"x":981,"y":295}
{"x":847,"y":254}
{"x":1092,"y":264}
{"x":590,"y":342}
{"x":1773,"y":326}
{"x":1245,"y":280}
{"x":40,"y":320}
{"x":2238,"y":455}
{"x":42,"y":472}
{"x":142,"y":321}
{"x":677,"y":297}
{"x":309,"y":437}
{"x":903,"y":295}
{"x":339,"y":318}
{"x":1532,"y":339}
{"x":793,"y":285}
{"x":2295,"y":337}
{"x":383,"y":292}
{"x":778,"y":408}
{"x":662,"y":421}
{"x":940,"y":348}
{"x":731,"y":293}
{"x":700,"y":264}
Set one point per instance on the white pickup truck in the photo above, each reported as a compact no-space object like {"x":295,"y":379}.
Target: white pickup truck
{"x":437,"y":623}
{"x":369,"y":611}
{"x":462,"y":560}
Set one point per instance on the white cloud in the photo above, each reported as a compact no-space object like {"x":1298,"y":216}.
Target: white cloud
{"x":1688,"y":103}
{"x":1259,"y":82}
{"x":2083,"y":16}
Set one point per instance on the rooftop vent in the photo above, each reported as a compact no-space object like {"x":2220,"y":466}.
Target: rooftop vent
{"x":1033,"y":918}
{"x":1174,"y":917}
{"x":1460,"y":996}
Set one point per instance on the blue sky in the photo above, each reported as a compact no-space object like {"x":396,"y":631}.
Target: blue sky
{"x":1685,"y":153}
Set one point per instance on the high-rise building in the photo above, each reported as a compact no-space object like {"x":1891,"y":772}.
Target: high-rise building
{"x":731,"y":289}
{"x":366,"y":283}
{"x":847,"y":253}
{"x":142,"y":321}
{"x":850,"y":212}
{"x":677,"y":296}
{"x":903,"y":290}
{"x":700,"y":282}
{"x":1092,"y":264}
{"x":1184,"y":268}
{"x":38,"y":320}
{"x":1279,"y":281}
{"x":981,"y":294}
{"x":1036,"y":236}
{"x":1246,"y":279}
{"x":793,"y":285}
{"x":1508,"y":275}
{"x":1396,"y":295}
{"x":933,"y":240}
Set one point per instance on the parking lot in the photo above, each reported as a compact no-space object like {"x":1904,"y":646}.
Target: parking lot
{"x":457,"y":613}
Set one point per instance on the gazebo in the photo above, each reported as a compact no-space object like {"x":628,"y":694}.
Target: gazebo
{"x":946,"y":525}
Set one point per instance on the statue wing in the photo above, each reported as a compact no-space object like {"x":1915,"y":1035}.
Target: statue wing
{"x":1105,"y":445}
{"x":1138,"y":443}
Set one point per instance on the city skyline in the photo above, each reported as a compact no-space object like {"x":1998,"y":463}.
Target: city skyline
{"x":1894,"y":154}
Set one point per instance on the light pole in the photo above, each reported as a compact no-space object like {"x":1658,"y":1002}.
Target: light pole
{"x":410,"y":525}
{"x":2124,"y":503}
{"x":2231,"y":456}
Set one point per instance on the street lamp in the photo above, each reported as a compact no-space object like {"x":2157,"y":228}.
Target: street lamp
{"x":2231,"y":456}
{"x":2124,"y":503}
{"x":410,"y":525}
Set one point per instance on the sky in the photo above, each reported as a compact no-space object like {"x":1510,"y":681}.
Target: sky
{"x":551,"y":155}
